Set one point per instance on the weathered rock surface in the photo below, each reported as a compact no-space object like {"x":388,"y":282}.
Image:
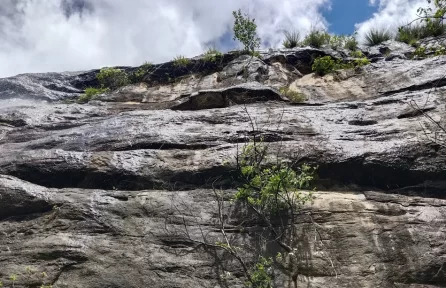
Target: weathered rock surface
{"x":95,"y":194}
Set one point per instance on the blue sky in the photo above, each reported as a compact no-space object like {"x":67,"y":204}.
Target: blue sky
{"x":346,"y":13}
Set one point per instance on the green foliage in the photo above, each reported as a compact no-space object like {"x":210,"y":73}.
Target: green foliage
{"x":324,"y":65}
{"x":292,"y":39}
{"x":376,"y":37}
{"x":271,"y":189}
{"x":440,"y":51}
{"x":1,"y":284}
{"x":420,"y":52}
{"x":212,"y":55}
{"x":181,"y":62}
{"x":350,"y":43}
{"x":433,"y":18}
{"x":356,"y":54}
{"x":260,"y":275}
{"x":361,"y":62}
{"x":141,"y":72}
{"x":293,"y":96}
{"x":317,"y":38}
{"x":245,"y":31}
{"x":112,"y":78}
{"x":91,"y":93}
{"x":411,"y":33}
{"x":336,"y":41}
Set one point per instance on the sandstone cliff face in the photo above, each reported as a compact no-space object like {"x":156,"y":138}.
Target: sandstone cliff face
{"x":94,"y":194}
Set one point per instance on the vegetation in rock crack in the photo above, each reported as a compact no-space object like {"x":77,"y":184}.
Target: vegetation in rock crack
{"x":420,"y":52}
{"x":212,"y":55}
{"x":181,"y":62}
{"x":316,"y":38}
{"x":412,"y":33}
{"x":141,"y":72}
{"x":350,"y":42}
{"x":261,"y":274}
{"x":356,"y":54}
{"x":245,"y":31}
{"x":359,"y":62}
{"x":91,"y":93}
{"x":112,"y":78}
{"x":292,"y":39}
{"x":440,"y":51}
{"x":293,"y":96}
{"x":324,"y":65}
{"x":336,"y":41}
{"x":270,"y":190}
{"x":377,"y":36}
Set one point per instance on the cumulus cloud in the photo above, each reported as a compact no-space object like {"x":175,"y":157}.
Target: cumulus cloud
{"x":62,"y":35}
{"x":391,"y":14}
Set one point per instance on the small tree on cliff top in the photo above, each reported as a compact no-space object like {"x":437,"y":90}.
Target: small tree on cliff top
{"x":245,"y":31}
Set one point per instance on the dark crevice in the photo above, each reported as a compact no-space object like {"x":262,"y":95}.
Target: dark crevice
{"x":361,"y":176}
{"x":415,"y":113}
{"x":163,"y":146}
{"x":362,"y":122}
{"x":428,"y":85}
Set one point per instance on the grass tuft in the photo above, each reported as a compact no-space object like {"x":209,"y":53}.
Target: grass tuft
{"x":292,"y":39}
{"x":317,"y":38}
{"x":293,"y":96}
{"x":376,"y":37}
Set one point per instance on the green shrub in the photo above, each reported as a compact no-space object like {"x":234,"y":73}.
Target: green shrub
{"x":351,"y":43}
{"x":91,"y":93}
{"x":361,"y":62}
{"x":293,"y":96}
{"x":420,"y":52}
{"x":112,"y":78}
{"x":409,"y":34}
{"x":376,"y":37}
{"x":317,"y":38}
{"x":324,"y":65}
{"x":260,"y":276}
{"x":292,"y":39}
{"x":245,"y":30}
{"x":440,"y":51}
{"x":180,"y":61}
{"x":142,"y":71}
{"x":212,"y":55}
{"x":269,"y":189}
{"x":336,"y":41}
{"x":356,"y":54}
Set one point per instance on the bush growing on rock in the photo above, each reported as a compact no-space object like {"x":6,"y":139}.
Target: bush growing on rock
{"x":142,"y":71}
{"x":376,"y":36}
{"x":112,"y":78}
{"x":324,"y":65}
{"x":212,"y":55}
{"x":292,"y":39}
{"x":317,"y":38}
{"x":180,"y":61}
{"x":245,"y":30}
{"x":91,"y":93}
{"x":351,"y":43}
{"x":293,"y":96}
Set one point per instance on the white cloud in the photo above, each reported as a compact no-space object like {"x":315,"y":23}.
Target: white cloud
{"x":37,"y":35}
{"x":391,"y":14}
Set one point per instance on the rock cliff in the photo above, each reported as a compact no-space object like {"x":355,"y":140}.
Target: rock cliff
{"x":89,"y":193}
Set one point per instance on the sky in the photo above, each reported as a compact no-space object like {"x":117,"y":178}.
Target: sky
{"x":75,"y":35}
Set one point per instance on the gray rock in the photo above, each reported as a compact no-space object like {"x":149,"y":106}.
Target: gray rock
{"x":95,"y":195}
